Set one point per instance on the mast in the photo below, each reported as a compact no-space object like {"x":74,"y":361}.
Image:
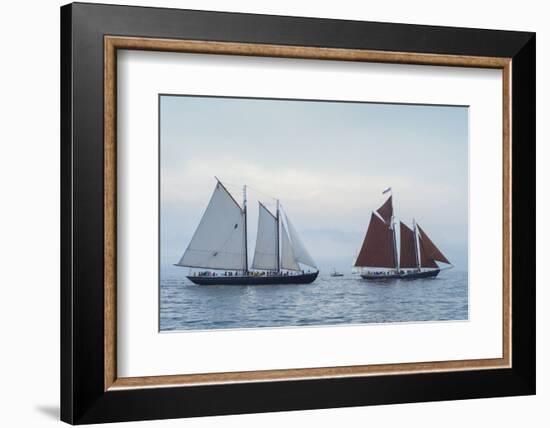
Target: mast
{"x":396,"y":259}
{"x":392,"y":227}
{"x":416,"y":255}
{"x":245,"y":232}
{"x":278,"y":246}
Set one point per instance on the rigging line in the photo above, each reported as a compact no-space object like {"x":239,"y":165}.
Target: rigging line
{"x":262,"y":193}
{"x":227,"y":183}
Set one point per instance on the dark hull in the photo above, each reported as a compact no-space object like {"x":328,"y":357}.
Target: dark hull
{"x":413,"y":275}
{"x":305,"y":278}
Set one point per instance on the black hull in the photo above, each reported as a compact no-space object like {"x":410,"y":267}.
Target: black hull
{"x":412,"y":275}
{"x":305,"y":278}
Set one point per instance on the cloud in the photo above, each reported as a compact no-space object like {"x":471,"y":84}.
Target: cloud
{"x":328,"y":171}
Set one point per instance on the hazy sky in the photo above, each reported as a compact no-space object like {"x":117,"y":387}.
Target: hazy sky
{"x":327,"y":162}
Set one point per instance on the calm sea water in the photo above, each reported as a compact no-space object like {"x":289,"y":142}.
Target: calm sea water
{"x":327,"y":301}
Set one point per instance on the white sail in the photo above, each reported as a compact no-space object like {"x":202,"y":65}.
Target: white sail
{"x":266,"y":254}
{"x":288,"y":261}
{"x":219,"y":241}
{"x":301,"y":254}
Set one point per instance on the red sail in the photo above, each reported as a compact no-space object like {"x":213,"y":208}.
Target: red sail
{"x":408,"y":247}
{"x":425,"y":260}
{"x":378,"y":246}
{"x":386,"y":210}
{"x":429,"y":252}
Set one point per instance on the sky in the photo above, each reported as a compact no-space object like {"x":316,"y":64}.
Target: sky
{"x":327,"y":162}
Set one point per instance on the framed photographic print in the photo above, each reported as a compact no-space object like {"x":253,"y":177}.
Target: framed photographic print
{"x":264,"y":213}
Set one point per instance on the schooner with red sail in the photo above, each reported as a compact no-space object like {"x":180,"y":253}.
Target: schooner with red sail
{"x":379,"y":258}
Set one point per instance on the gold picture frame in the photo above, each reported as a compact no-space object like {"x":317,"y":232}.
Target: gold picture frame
{"x":114,"y":43}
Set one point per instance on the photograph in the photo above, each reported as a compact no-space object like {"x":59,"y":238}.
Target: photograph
{"x":295,"y":213}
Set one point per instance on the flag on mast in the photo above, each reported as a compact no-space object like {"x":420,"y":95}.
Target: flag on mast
{"x":386,"y":191}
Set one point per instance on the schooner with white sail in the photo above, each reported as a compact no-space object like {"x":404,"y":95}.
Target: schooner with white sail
{"x":379,"y":258}
{"x":219,"y":246}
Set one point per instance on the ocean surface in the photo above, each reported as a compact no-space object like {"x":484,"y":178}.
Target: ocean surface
{"x":327,"y":301}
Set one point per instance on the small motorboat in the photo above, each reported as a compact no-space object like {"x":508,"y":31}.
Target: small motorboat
{"x":336,"y":274}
